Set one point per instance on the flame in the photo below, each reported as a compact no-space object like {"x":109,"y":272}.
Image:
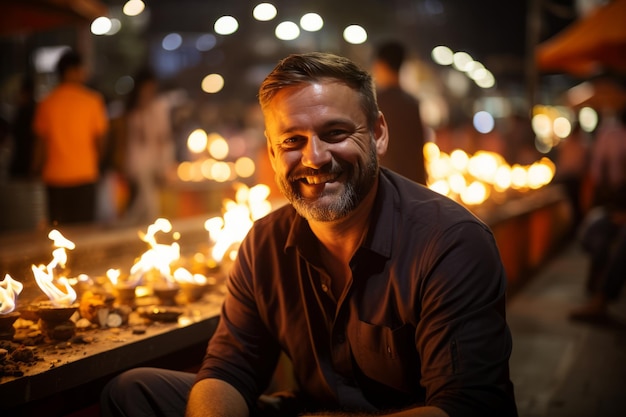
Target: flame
{"x":113,"y":275}
{"x":227,"y":233}
{"x":9,"y":290}
{"x":182,"y":275}
{"x":45,"y":277}
{"x":60,"y":241}
{"x":471,"y":178}
{"x":160,"y":256}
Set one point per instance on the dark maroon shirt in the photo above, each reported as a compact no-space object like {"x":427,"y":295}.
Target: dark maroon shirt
{"x":421,"y":322}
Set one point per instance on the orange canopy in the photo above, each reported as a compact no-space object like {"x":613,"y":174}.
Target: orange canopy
{"x":588,"y":46}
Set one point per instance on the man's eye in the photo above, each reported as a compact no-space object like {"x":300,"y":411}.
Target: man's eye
{"x":335,"y":135}
{"x":291,"y":142}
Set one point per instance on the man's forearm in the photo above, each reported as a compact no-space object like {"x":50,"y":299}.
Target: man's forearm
{"x":215,"y":398}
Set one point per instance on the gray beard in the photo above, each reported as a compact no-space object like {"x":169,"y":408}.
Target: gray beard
{"x":355,"y":191}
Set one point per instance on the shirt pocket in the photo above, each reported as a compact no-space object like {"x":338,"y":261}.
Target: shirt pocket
{"x":387,"y":354}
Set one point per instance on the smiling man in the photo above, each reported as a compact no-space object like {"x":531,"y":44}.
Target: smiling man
{"x":389,"y":299}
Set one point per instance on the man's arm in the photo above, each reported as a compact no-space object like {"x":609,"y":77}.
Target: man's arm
{"x":215,"y":398}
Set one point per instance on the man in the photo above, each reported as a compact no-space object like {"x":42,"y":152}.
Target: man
{"x":387,"y":297}
{"x":405,"y":153}
{"x":70,"y":123}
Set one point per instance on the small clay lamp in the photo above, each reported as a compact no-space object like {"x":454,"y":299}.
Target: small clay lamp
{"x":7,"y":331}
{"x":166,"y":293}
{"x":55,"y":322}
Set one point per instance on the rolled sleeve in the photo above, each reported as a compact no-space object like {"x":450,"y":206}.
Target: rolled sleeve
{"x":462,"y":337}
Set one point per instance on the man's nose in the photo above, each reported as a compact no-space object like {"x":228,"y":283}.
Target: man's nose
{"x":316,"y":153}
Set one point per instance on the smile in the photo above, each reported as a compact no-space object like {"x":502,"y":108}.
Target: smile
{"x":318,"y":179}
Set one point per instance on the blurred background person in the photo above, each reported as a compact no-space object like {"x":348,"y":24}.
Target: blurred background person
{"x":603,"y":226}
{"x":149,"y":154}
{"x":572,"y":169}
{"x":22,"y":133}
{"x":402,"y":112}
{"x":71,"y":124}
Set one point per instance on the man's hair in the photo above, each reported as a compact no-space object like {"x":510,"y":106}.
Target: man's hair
{"x":70,"y":59}
{"x":298,"y":69}
{"x":392,"y":53}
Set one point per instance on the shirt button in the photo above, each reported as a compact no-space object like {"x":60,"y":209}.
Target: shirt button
{"x":324,"y":288}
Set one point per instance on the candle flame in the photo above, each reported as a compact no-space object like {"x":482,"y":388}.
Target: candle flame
{"x":9,"y":290}
{"x":113,"y":275}
{"x":182,"y":275}
{"x":45,"y":279}
{"x":471,"y":178}
{"x":228,"y":232}
{"x":45,"y":276}
{"x":160,"y":256}
{"x":60,"y":241}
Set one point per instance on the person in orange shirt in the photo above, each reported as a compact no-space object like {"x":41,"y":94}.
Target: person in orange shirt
{"x":70,"y":124}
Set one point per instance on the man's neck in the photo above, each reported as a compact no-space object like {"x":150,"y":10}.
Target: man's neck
{"x":343,"y":237}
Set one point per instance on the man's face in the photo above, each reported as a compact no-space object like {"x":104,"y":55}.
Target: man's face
{"x":324,"y":155}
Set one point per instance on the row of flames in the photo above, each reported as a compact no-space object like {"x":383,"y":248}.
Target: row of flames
{"x":225,"y":235}
{"x":473,"y":178}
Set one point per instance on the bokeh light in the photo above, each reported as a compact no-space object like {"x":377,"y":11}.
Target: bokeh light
{"x":172,"y":41}
{"x":355,"y":34}
{"x":483,"y":122}
{"x":311,"y":22}
{"x":133,"y":7}
{"x":264,"y":12}
{"x":197,"y":141}
{"x":101,"y":25}
{"x":442,"y":55}
{"x":287,"y":31}
{"x":226,"y":25}
{"x":205,"y":42}
{"x":212,"y":83}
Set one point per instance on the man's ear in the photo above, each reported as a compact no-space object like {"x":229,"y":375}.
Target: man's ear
{"x":270,"y":151}
{"x":381,"y":135}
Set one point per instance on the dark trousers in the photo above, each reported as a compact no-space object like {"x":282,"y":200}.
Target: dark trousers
{"x":147,"y":392}
{"x":155,"y":392}
{"x":68,"y":205}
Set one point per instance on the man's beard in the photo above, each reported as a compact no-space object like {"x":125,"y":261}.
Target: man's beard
{"x":355,"y":189}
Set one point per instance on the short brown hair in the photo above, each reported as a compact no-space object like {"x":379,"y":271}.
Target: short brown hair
{"x":304,"y":68}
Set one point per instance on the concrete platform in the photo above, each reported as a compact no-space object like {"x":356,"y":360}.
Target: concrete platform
{"x":562,"y":368}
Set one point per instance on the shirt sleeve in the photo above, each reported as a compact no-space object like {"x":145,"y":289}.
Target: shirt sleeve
{"x":242,"y":352}
{"x":462,"y":337}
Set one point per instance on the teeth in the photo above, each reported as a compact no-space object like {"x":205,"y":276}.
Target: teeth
{"x":320,"y":179}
